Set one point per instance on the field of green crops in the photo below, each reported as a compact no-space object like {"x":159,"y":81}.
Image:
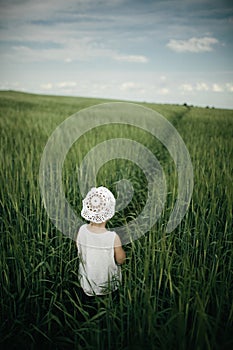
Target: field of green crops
{"x":177,"y":288}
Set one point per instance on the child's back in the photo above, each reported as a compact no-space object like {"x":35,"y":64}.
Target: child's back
{"x":99,"y":273}
{"x":100,"y":250}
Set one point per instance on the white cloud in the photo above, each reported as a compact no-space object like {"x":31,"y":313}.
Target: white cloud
{"x":47,"y":86}
{"x":229,"y":87}
{"x":217,"y":88}
{"x":68,"y":60}
{"x":131,"y":58}
{"x":163,"y":78}
{"x":130,"y":85}
{"x":67,"y":84}
{"x":14,"y":85}
{"x":163,"y":91}
{"x":205,"y":87}
{"x":202,"y":87}
{"x":133,"y":90}
{"x":67,"y":51}
{"x":192,"y":45}
{"x":186,"y":87}
{"x":75,"y":49}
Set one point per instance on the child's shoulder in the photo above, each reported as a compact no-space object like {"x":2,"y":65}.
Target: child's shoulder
{"x":81,"y":230}
{"x":83,"y":227}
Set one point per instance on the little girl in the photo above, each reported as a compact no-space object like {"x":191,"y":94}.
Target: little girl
{"x":100,"y":250}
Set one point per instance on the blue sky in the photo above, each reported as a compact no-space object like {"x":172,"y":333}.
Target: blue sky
{"x":156,"y":51}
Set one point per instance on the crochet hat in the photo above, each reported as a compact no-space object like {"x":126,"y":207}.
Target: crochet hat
{"x":98,"y":205}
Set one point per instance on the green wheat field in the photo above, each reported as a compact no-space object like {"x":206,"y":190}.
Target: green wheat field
{"x":177,"y":288}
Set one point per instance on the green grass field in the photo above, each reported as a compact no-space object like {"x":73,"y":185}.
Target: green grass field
{"x":177,"y":288}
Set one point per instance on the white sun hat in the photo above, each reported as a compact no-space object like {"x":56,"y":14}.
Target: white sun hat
{"x":98,"y":205}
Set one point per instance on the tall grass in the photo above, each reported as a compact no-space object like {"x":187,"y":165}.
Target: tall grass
{"x":177,"y":288}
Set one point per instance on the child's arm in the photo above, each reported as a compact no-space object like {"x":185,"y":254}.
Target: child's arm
{"x":76,"y":241}
{"x":119,"y":253}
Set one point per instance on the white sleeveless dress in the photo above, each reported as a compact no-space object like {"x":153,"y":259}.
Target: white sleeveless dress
{"x":98,"y":272}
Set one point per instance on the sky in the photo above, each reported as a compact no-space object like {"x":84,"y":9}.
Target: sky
{"x":176,"y":51}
